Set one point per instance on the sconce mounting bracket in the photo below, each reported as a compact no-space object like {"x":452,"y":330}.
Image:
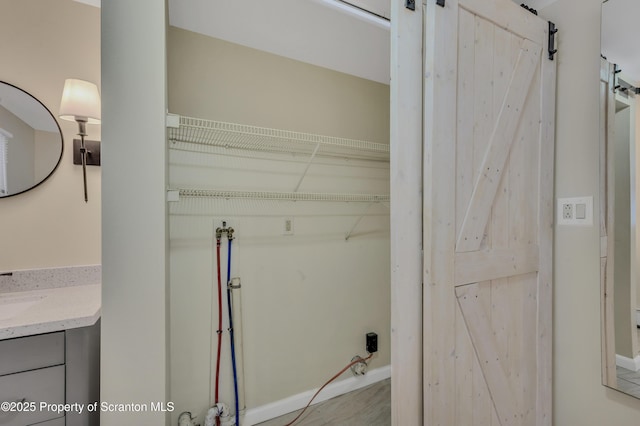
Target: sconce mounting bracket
{"x":93,"y":152}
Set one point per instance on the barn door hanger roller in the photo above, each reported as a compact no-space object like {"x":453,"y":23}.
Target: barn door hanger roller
{"x":532,"y":10}
{"x":411,"y":4}
{"x":552,"y":40}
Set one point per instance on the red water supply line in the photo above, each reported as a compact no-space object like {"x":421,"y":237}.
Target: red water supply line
{"x":219,"y":331}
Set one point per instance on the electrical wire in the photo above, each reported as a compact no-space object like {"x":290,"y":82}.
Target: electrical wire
{"x":351,"y":364}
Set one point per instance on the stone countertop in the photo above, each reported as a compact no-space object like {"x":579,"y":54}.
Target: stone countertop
{"x":24,"y":313}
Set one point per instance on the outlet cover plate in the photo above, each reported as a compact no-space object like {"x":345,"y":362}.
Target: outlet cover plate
{"x":568,"y":207}
{"x":288,"y":226}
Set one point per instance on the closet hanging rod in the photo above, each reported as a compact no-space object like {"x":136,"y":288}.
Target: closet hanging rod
{"x":242,"y":136}
{"x":277,"y":196}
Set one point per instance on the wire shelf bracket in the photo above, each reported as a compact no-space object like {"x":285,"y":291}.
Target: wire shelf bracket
{"x":357,"y":222}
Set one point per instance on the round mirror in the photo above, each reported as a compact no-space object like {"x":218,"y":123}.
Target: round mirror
{"x":31,"y":142}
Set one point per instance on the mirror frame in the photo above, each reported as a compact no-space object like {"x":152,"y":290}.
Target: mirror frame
{"x":607,"y":110}
{"x":608,"y":252}
{"x":61,"y":141}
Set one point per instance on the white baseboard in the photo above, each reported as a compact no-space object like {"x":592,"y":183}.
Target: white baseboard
{"x":628,"y":363}
{"x":278,"y":408}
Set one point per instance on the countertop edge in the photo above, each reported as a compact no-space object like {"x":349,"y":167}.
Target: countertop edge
{"x":48,"y":327}
{"x":57,"y":316}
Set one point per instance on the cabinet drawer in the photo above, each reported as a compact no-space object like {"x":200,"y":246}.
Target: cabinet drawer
{"x":32,"y":352}
{"x":44,"y":385}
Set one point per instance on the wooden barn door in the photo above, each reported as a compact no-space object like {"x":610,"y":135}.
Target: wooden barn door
{"x":488,"y":214}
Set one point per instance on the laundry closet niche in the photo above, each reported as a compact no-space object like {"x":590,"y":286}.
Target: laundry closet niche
{"x":309,"y":294}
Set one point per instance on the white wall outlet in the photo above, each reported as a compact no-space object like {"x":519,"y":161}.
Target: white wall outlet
{"x":287,"y":228}
{"x":576,"y":211}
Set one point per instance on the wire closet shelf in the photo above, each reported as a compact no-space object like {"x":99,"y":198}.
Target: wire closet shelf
{"x":244,"y":137}
{"x":234,"y":136}
{"x":283,"y":196}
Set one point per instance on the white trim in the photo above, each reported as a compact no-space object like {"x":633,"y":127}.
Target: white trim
{"x":94,"y":3}
{"x":355,"y":12}
{"x":407,"y":233}
{"x":628,"y":363}
{"x":295,"y":402}
{"x":6,"y":134}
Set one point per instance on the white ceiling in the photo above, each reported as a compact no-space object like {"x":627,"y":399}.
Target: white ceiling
{"x":326,"y":33}
{"x":620,"y":36}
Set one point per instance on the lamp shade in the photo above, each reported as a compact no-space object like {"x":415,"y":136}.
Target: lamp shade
{"x":80,"y":101}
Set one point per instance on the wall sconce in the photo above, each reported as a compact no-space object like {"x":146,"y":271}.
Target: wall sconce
{"x":81,"y":103}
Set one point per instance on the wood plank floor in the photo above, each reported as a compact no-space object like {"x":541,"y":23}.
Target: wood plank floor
{"x":369,"y":406}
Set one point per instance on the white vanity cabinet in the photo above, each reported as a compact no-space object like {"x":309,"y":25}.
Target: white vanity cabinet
{"x":82,"y":376}
{"x":54,"y":368}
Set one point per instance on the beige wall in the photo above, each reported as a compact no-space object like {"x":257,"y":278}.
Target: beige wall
{"x":43,"y":42}
{"x":579,"y":397}
{"x":220,"y":81}
{"x":308,"y":299}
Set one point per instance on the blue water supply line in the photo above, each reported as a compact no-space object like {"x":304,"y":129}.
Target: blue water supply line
{"x":233,"y":348}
